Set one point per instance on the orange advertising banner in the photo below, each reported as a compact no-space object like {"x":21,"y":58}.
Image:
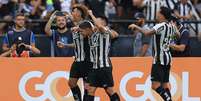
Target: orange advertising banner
{"x":45,"y":79}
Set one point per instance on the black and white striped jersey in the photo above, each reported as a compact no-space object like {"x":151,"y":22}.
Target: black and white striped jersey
{"x":162,"y":40}
{"x":183,"y":9}
{"x":151,"y":8}
{"x":100,"y":47}
{"x":82,"y":48}
{"x":170,"y":3}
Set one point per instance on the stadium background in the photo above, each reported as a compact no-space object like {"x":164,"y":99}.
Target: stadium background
{"x":119,"y":21}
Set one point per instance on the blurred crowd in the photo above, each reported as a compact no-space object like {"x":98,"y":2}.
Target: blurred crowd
{"x":19,"y":12}
{"x":112,"y":9}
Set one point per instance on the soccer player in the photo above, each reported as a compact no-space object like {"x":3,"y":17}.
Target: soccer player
{"x":81,"y":65}
{"x":162,"y":57}
{"x":101,"y":73}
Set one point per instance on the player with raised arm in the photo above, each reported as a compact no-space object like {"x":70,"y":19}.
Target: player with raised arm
{"x":162,"y":57}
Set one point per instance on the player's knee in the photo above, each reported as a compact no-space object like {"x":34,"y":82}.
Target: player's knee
{"x":155,"y":85}
{"x":72,"y":83}
{"x":109,"y":91}
{"x":166,"y":86}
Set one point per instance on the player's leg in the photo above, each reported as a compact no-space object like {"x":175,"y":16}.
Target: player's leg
{"x":113,"y":95}
{"x":167,"y":88}
{"x":75,"y":88}
{"x":74,"y":77}
{"x":91,"y":85}
{"x":91,"y":93}
{"x":107,"y":82}
{"x":157,"y":76}
{"x":87,"y":68}
{"x":166,"y":85}
{"x":86,"y":87}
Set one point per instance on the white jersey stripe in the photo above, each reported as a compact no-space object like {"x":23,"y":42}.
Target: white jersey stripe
{"x":101,"y":52}
{"x":107,"y":49}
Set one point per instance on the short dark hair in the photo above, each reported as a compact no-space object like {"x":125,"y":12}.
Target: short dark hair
{"x":19,"y":14}
{"x":104,"y":18}
{"x":85,"y":24}
{"x":166,"y":12}
{"x":176,"y":20}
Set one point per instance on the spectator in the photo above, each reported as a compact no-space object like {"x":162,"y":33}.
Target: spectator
{"x":49,"y":5}
{"x":181,"y":47}
{"x":142,"y":44}
{"x":57,"y":5}
{"x":121,"y":28}
{"x":198,"y":6}
{"x":7,"y":9}
{"x":183,"y":10}
{"x":32,"y":9}
{"x":136,"y":7}
{"x":97,"y":6}
{"x":61,"y":37}
{"x":7,"y":53}
{"x":110,"y":9}
{"x":126,"y":8}
{"x":151,"y":8}
{"x":36,"y":9}
{"x":23,"y":7}
{"x":170,"y":3}
{"x":20,"y":37}
{"x":120,"y":8}
{"x":66,"y":5}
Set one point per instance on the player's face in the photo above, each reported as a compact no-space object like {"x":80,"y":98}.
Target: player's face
{"x":159,"y":16}
{"x":86,"y":31}
{"x":61,"y":22}
{"x":140,"y":21}
{"x":20,"y":21}
{"x":76,"y":13}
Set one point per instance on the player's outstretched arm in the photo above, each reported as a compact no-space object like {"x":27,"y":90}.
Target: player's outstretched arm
{"x":144,"y":31}
{"x":98,"y":24}
{"x":101,"y":27}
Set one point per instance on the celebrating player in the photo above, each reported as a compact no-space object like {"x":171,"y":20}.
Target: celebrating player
{"x":101,"y":73}
{"x":82,"y":64}
{"x":162,"y":57}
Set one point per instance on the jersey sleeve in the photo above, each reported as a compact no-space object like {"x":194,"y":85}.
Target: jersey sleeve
{"x":158,"y":28}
